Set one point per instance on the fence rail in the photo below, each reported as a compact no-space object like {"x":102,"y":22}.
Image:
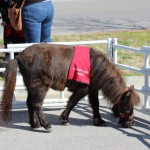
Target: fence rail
{"x":112,"y":48}
{"x":145,"y":69}
{"x":61,"y":101}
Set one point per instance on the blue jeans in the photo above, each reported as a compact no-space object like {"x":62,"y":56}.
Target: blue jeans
{"x":37,"y":21}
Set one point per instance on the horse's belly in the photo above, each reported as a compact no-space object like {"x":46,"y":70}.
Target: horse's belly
{"x":58,"y":86}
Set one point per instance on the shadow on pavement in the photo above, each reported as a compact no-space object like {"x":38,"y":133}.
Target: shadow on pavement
{"x":81,"y":115}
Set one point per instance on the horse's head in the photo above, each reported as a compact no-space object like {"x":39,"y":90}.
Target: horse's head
{"x":124,"y":108}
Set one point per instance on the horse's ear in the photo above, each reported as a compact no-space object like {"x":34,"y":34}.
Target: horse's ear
{"x":134,"y":99}
{"x":128,"y":90}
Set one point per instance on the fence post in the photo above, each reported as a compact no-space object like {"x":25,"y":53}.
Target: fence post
{"x":112,"y":55}
{"x":114,"y":51}
{"x":109,"y":47}
{"x":62,"y":95}
{"x":146,"y":78}
{"x":11,"y":55}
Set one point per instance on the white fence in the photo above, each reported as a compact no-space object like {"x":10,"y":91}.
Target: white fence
{"x":112,"y":48}
{"x":61,"y":101}
{"x":145,"y":69}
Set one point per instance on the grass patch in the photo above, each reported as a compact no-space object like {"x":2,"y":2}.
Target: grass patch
{"x":135,"y":39}
{"x":132,"y":38}
{"x":1,"y":42}
{"x":128,"y":38}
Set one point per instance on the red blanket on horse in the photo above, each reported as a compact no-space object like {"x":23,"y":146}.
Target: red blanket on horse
{"x":80,"y":65}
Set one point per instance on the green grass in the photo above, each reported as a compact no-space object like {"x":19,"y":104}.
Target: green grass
{"x":134,"y":39}
{"x":1,"y":42}
{"x":128,"y":38}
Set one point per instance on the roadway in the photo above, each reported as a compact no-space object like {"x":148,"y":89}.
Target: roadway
{"x":86,"y":16}
{"x":82,"y":16}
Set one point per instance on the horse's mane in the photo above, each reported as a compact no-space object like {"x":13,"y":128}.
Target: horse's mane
{"x":106,"y":77}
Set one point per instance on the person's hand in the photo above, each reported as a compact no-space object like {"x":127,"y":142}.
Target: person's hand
{"x":3,"y":24}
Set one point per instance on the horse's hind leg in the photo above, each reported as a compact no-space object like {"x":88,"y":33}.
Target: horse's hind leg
{"x":33,"y":119}
{"x":35,"y":105}
{"x":77,"y":95}
{"x":93,"y":99}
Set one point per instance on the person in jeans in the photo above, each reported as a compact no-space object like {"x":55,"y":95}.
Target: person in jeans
{"x":37,"y":18}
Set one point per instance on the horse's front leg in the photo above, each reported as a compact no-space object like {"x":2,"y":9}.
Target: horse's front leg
{"x":94,"y":101}
{"x":77,"y":95}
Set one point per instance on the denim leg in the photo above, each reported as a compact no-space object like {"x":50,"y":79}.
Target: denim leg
{"x":37,"y":20}
{"x":47,"y":23}
{"x":32,"y":32}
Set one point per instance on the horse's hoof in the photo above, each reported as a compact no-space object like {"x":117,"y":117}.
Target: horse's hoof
{"x":49,"y":130}
{"x":127,"y":125}
{"x":99,"y":122}
{"x":35,"y":125}
{"x":64,"y":122}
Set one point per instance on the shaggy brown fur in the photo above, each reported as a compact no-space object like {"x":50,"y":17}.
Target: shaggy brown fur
{"x":124,"y":108}
{"x":45,"y":66}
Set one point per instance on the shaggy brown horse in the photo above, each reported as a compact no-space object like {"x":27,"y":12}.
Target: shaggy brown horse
{"x":45,"y":66}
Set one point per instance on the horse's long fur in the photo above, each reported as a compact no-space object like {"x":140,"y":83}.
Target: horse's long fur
{"x":10,"y":82}
{"x":105,"y":76}
{"x":46,"y":66}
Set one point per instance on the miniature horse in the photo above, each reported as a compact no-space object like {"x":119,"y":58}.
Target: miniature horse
{"x":45,"y":66}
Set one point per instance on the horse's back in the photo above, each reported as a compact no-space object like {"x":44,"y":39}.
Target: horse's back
{"x":47,"y":63}
{"x":51,"y":49}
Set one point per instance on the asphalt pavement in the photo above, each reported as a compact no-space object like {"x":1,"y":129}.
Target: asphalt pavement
{"x":86,"y":16}
{"x":80,"y":134}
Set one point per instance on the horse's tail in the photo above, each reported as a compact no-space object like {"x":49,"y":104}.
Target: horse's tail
{"x":9,"y":87}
